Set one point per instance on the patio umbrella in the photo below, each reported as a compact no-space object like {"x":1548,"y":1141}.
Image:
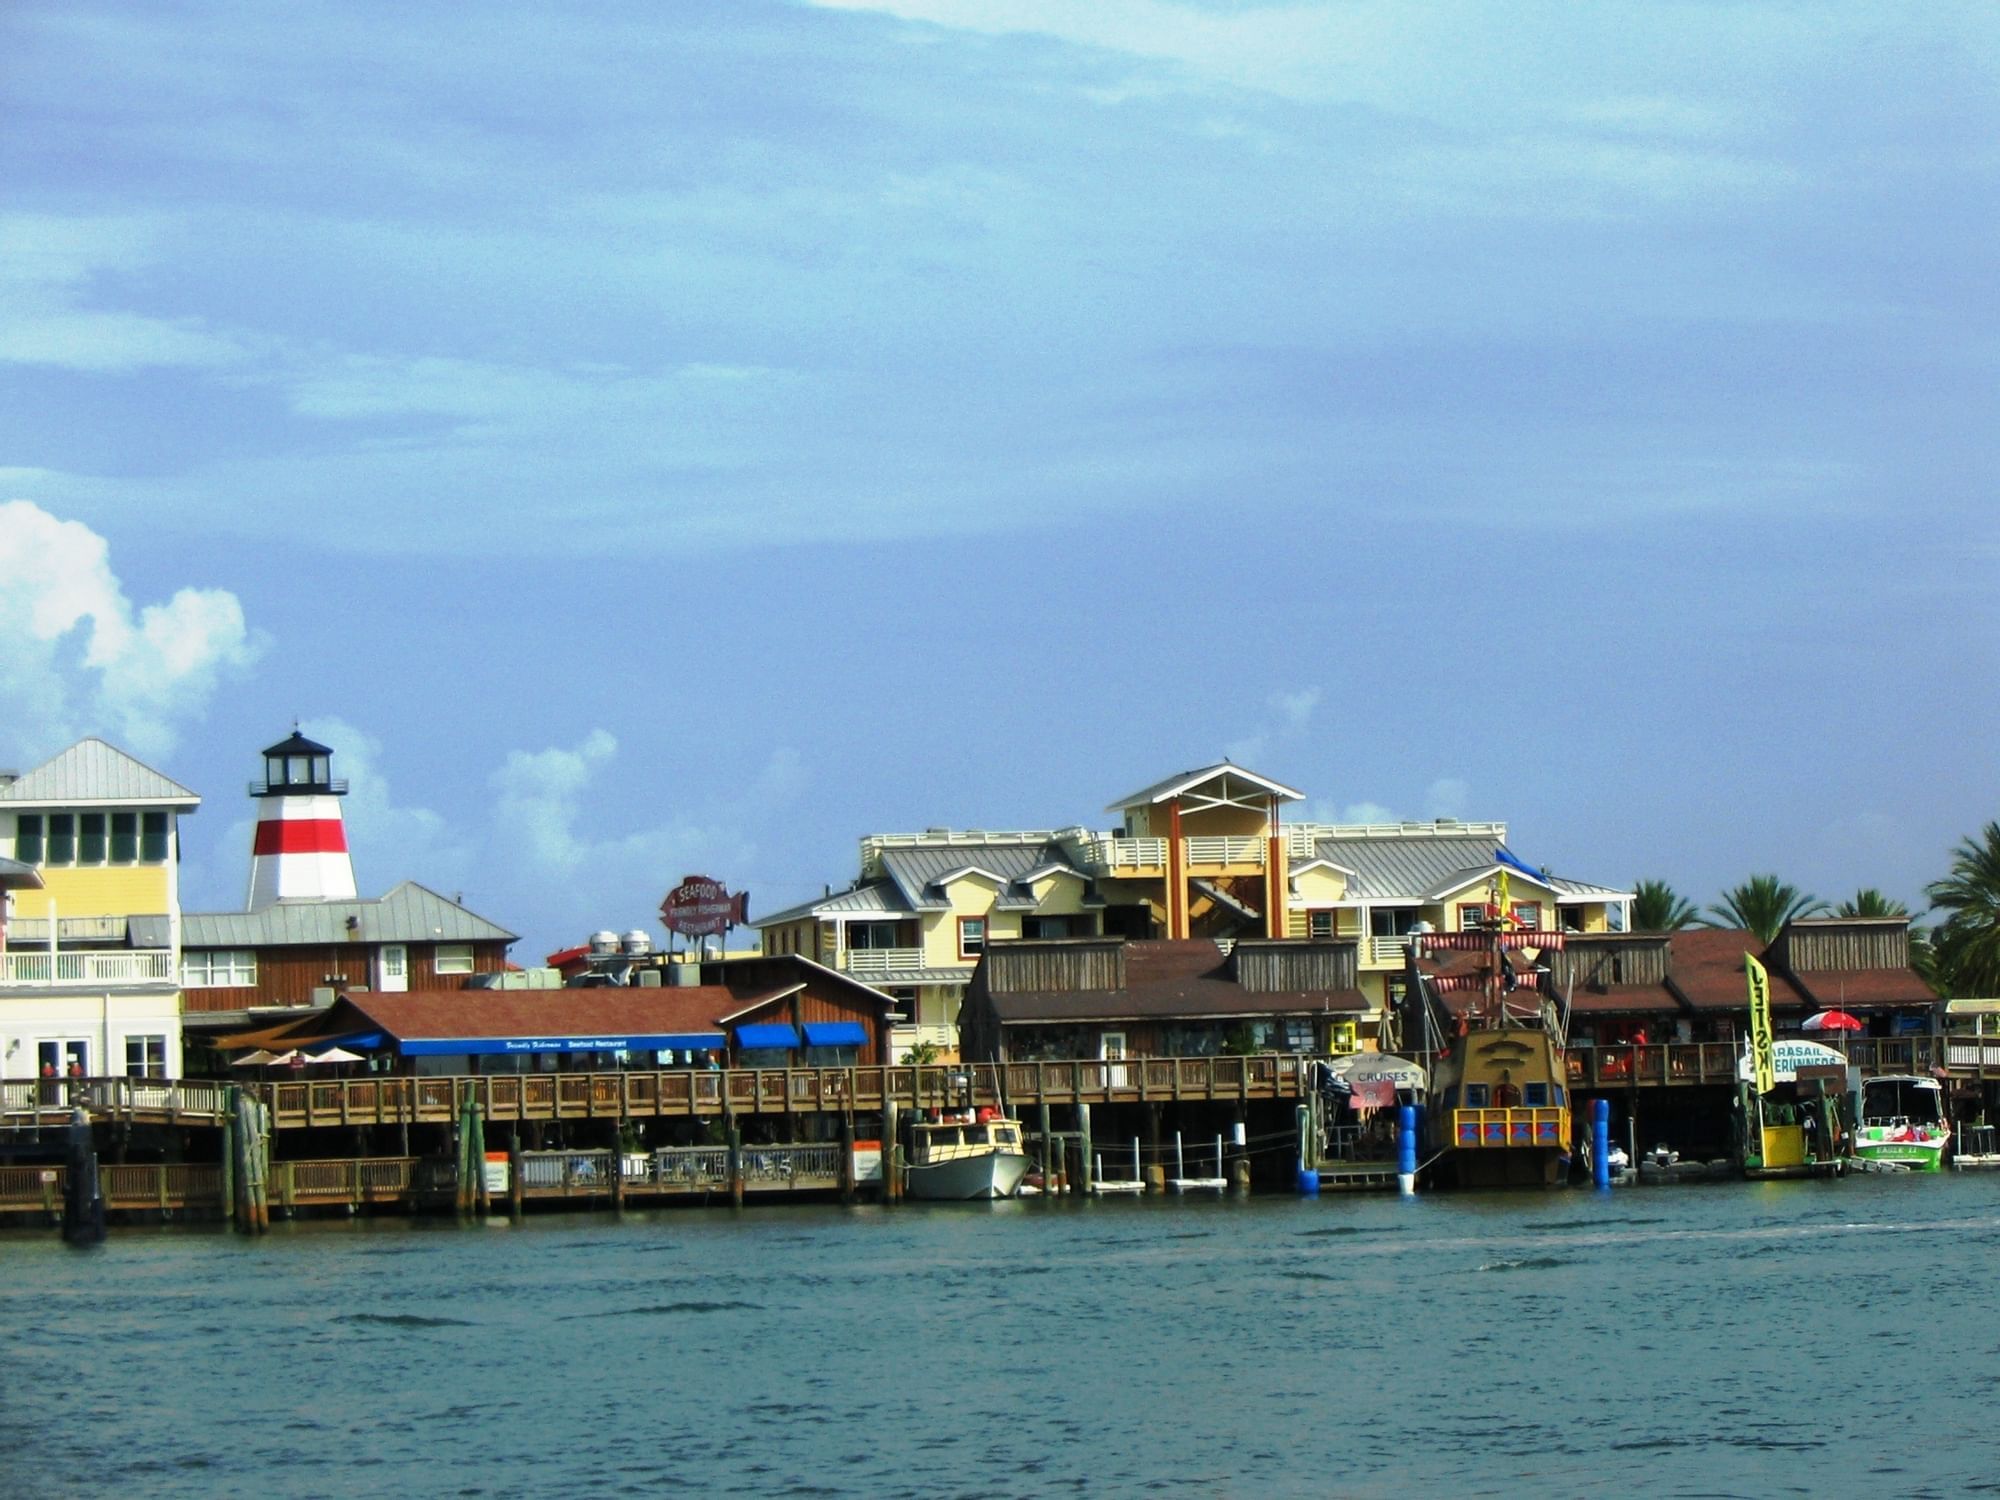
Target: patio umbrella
{"x":255,"y":1059}
{"x":333,"y":1055}
{"x":1831,"y":1020}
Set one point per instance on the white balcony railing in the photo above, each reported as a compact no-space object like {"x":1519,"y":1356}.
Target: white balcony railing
{"x":1388,"y":950}
{"x":146,"y":965}
{"x":909,"y":1035}
{"x":865,"y":963}
{"x":1226,"y":851}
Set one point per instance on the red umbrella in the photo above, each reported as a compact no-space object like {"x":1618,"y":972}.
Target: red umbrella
{"x":1831,"y":1020}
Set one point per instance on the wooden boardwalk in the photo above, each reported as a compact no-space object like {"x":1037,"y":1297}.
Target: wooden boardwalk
{"x":413,"y":1184}
{"x":44,"y":1105}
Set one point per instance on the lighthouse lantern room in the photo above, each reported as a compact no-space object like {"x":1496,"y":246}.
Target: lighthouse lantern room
{"x":300,"y":853}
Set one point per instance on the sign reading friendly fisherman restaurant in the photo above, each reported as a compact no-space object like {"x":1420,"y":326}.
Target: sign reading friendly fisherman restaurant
{"x":701,"y":907}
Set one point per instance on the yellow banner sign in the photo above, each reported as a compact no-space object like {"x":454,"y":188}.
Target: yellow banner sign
{"x":1762,"y":1063}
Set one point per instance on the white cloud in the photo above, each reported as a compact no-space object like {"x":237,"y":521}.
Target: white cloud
{"x":390,"y":844}
{"x":1446,"y":797}
{"x":79,"y":660}
{"x":47,"y":267}
{"x":1296,"y":709}
{"x":540,"y":795}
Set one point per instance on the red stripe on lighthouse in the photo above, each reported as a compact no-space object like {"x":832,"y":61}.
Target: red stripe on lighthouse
{"x":301,"y":836}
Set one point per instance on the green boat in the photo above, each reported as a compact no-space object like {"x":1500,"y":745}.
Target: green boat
{"x":1903,"y":1122}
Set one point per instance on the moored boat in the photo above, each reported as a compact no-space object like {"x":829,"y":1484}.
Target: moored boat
{"x":971,"y":1156}
{"x":1903,"y":1121}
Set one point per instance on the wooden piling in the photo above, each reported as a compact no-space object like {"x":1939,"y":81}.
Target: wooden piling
{"x":735,"y":1163}
{"x":517,"y":1192}
{"x":892,"y":1179}
{"x":1083,"y":1167}
{"x":847,"y":1158}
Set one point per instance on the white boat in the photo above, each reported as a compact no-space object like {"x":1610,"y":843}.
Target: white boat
{"x":966,"y":1158}
{"x":1903,"y":1121}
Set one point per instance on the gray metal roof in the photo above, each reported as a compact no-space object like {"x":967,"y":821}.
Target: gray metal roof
{"x":18,"y":877}
{"x":1159,"y":791}
{"x":880,"y":899}
{"x":410,"y":913}
{"x":1423,"y":868}
{"x":92,"y":771}
{"x":916,"y":868}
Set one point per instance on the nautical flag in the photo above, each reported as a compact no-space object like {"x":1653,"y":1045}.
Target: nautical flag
{"x":1502,"y":857}
{"x":1761,"y":1059}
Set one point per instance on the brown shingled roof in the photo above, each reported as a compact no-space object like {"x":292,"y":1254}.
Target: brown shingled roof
{"x":1840,"y":989}
{"x":1705,"y":968}
{"x":1180,"y":979}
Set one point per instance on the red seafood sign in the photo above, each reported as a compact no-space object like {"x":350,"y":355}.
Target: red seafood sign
{"x":700,"y":907}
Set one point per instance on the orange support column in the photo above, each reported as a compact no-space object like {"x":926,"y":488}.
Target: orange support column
{"x":1274,"y":876}
{"x":1177,"y":917}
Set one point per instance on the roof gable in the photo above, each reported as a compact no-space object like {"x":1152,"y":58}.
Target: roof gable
{"x":1187,"y":781}
{"x":93,"y":771}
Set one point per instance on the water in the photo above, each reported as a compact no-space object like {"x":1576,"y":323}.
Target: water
{"x":1751,"y":1339}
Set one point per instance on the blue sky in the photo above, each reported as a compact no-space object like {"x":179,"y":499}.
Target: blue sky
{"x":646,"y":440}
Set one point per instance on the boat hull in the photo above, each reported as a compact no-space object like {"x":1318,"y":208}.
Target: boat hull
{"x":991,"y":1174}
{"x":1918,"y":1156}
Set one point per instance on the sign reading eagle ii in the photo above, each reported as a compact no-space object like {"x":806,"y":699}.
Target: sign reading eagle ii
{"x":700,"y":907}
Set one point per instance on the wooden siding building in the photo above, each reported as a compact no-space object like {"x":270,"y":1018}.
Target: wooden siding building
{"x":1117,"y":998}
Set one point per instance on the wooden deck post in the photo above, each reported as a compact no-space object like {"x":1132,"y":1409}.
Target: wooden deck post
{"x":1084,"y":1167}
{"x":847,"y":1158}
{"x":735,"y":1163}
{"x":517,"y":1199}
{"x":1051,"y":1168}
{"x":892,"y":1180}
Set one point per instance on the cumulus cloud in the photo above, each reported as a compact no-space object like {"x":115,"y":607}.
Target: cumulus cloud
{"x":1446,"y":797}
{"x":540,"y":795}
{"x":81,"y":660}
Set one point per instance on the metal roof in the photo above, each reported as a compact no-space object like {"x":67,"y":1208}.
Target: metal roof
{"x":1422,"y":869}
{"x":92,"y":771}
{"x":916,"y":868}
{"x":410,"y":913}
{"x":18,"y":877}
{"x":1173,"y":786}
{"x":878,"y":899}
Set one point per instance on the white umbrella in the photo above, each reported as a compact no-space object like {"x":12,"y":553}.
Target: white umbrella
{"x":333,"y":1055}
{"x":255,"y":1059}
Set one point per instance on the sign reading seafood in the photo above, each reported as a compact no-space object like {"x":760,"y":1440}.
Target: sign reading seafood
{"x":700,"y":907}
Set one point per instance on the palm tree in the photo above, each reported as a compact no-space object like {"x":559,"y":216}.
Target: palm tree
{"x":1869,"y":902}
{"x":1968,"y":940}
{"x":1658,"y":907}
{"x":1764,"y":904}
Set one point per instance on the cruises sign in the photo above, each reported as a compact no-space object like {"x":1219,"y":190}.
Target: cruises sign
{"x":700,"y":907}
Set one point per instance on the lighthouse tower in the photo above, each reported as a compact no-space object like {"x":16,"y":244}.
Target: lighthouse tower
{"x":300,"y":853}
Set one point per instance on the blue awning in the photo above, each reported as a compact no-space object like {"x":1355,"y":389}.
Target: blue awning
{"x":836,"y":1034}
{"x":758,"y":1038}
{"x":486,"y":1046}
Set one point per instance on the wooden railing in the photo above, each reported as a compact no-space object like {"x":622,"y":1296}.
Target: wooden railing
{"x":169,"y":1187}
{"x":1671,"y":1064}
{"x":157,"y":1101}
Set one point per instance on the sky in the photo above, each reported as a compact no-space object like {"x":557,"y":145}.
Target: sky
{"x":646,"y":440}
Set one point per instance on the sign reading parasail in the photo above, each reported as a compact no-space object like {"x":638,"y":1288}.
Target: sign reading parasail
{"x":700,"y":907}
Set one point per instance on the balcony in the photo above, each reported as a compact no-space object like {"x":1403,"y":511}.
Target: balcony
{"x":881,"y":963}
{"x":1211,"y":851}
{"x":124,"y":966}
{"x":1384,"y":952}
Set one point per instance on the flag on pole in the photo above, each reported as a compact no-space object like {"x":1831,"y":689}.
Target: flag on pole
{"x":1502,"y":857}
{"x":1761,"y":1059}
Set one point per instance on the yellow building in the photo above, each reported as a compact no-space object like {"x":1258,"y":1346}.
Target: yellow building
{"x":1201,"y":854}
{"x":89,"y":955}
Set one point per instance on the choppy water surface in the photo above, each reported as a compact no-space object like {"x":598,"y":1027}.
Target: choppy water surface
{"x":1755,"y":1339}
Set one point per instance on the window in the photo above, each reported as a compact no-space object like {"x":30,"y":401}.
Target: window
{"x":1527,"y":914}
{"x":971,"y":936}
{"x":90,"y":839}
{"x":62,"y":838}
{"x":454,"y":958}
{"x":28,"y":838}
{"x":1471,"y":917}
{"x":1319,"y":924}
{"x":218,"y":968}
{"x":145,"y":1057}
{"x":1299,"y":1034}
{"x":1475,"y":1096}
{"x":1049,"y":927}
{"x":124,"y":838}
{"x":871,"y":935}
{"x":1535,"y":1095}
{"x":153,"y":839}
